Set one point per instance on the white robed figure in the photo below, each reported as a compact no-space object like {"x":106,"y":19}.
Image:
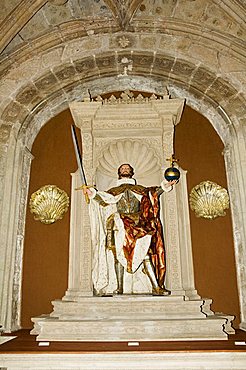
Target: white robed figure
{"x":126,"y":229}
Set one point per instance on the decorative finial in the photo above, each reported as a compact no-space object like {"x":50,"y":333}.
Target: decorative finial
{"x":172,"y":160}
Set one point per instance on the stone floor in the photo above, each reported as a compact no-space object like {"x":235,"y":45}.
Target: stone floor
{"x":23,"y":352}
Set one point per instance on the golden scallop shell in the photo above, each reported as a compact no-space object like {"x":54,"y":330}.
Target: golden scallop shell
{"x":209,"y":200}
{"x":48,"y":204}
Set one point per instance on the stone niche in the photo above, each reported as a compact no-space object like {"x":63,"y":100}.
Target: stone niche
{"x":138,"y":131}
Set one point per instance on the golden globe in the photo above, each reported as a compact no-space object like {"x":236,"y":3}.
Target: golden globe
{"x":172,"y":173}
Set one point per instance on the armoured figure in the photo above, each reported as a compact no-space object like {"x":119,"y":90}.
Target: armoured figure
{"x":133,"y":230}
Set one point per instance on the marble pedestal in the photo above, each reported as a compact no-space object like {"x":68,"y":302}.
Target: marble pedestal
{"x":132,"y":318}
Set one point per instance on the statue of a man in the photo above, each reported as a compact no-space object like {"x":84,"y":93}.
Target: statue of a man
{"x":125,"y":220}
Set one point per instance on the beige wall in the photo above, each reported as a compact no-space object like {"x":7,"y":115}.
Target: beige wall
{"x":46,"y":246}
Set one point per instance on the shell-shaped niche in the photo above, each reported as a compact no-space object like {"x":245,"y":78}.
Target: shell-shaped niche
{"x":142,"y":158}
{"x":209,"y":200}
{"x":49,"y":204}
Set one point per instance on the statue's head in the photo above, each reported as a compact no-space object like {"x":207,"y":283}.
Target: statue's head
{"x":125,"y":170}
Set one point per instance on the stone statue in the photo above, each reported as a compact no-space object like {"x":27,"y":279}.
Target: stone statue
{"x":125,"y":220}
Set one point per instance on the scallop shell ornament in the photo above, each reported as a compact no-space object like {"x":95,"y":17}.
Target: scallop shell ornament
{"x":209,"y":200}
{"x":137,"y":154}
{"x":49,"y":204}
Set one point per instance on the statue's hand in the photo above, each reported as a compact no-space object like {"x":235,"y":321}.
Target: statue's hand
{"x":171,"y":183}
{"x":87,"y":190}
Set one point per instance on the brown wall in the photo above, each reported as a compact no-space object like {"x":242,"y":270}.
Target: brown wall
{"x":46,"y":246}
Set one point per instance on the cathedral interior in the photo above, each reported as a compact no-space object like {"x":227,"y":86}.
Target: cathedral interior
{"x":54,"y":52}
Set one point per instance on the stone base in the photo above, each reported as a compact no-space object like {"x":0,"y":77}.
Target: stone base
{"x":173,"y":360}
{"x":132,"y":318}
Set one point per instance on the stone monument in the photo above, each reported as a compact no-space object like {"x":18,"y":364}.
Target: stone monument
{"x":139,"y":131}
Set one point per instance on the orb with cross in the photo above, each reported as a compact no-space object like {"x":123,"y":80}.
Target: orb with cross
{"x":172,"y":172}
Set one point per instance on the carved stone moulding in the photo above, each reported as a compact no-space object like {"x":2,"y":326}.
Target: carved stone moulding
{"x":49,"y":204}
{"x":127,"y":97}
{"x":209,"y":200}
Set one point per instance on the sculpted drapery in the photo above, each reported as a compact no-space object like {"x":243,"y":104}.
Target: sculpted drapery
{"x":125,"y":220}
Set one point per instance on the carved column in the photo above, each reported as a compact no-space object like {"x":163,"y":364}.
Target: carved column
{"x":24,"y":177}
{"x":235,"y":161}
{"x":80,"y":258}
{"x":12,"y":234}
{"x":170,"y":222}
{"x":78,"y":282}
{"x":184,"y":238}
{"x":180,"y":271}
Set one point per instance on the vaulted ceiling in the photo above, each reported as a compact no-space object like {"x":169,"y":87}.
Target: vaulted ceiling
{"x":26,"y":20}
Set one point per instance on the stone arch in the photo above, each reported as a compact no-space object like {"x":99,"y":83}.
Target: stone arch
{"x":38,"y":99}
{"x":200,"y":82}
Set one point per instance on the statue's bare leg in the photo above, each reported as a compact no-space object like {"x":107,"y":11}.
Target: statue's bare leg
{"x":150,"y":272}
{"x":119,"y":271}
